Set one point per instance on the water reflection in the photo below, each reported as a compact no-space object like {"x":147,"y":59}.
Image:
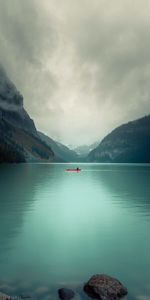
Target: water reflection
{"x":58,"y":228}
{"x":18,"y":184}
{"x":128,"y":184}
{"x":128,"y":193}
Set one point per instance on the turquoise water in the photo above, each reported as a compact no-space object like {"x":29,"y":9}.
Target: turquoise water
{"x":58,"y":229}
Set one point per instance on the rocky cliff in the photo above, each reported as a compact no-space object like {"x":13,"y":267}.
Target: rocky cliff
{"x":11,"y":105}
{"x":19,"y":140}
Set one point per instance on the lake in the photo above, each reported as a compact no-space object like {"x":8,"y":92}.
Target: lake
{"x":58,"y":228}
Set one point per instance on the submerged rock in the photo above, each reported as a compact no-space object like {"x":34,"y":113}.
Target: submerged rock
{"x":104,"y":287}
{"x":4,"y":296}
{"x":65,"y":294}
{"x":7,"y":297}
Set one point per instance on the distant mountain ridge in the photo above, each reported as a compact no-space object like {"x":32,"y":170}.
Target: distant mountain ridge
{"x":128,"y":143}
{"x":84,"y":150}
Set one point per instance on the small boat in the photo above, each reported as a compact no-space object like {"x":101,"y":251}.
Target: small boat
{"x":73,"y":170}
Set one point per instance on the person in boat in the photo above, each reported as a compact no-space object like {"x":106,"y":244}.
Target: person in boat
{"x":77,"y":169}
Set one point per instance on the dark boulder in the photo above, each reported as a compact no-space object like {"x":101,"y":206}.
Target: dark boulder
{"x":104,"y":287}
{"x":65,"y":294}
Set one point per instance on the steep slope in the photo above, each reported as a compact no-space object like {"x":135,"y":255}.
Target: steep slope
{"x":129,"y":143}
{"x":11,"y":105}
{"x":19,"y":140}
{"x":60,"y":150}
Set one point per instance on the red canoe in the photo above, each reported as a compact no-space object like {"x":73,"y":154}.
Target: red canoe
{"x":73,"y":170}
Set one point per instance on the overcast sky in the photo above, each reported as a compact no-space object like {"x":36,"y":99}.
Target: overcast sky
{"x":82,"y":66}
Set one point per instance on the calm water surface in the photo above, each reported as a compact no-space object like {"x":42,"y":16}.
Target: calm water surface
{"x":58,"y":228}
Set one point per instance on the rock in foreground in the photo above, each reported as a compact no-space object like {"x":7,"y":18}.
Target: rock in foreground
{"x":65,"y":294}
{"x":104,"y":287}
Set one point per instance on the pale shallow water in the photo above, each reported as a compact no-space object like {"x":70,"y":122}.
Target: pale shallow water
{"x":58,"y":228}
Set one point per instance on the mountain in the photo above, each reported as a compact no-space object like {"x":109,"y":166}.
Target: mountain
{"x":60,"y":150}
{"x":129,"y":143}
{"x":84,"y":150}
{"x":19,"y":140}
{"x":11,"y":105}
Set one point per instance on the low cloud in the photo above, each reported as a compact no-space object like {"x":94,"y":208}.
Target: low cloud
{"x":83,"y":67}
